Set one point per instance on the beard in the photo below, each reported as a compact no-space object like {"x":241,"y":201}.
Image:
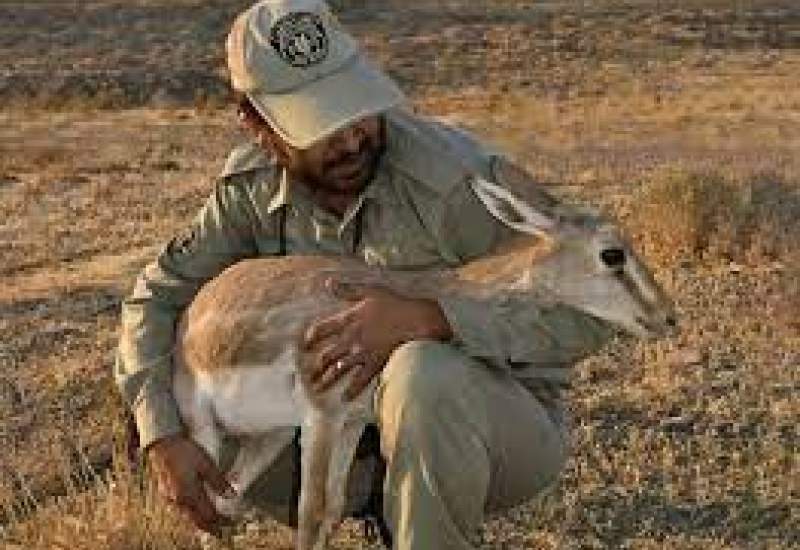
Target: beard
{"x":348,"y":173}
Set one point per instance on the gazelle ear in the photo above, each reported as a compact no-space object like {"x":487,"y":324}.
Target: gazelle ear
{"x":511,"y":210}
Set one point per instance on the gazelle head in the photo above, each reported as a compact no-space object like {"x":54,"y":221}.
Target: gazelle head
{"x":589,"y":266}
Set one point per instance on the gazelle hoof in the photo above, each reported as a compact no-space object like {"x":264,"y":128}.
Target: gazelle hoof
{"x":234,"y":507}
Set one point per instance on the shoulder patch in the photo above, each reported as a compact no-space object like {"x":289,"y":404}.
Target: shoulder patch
{"x":254,"y":190}
{"x":185,"y":242}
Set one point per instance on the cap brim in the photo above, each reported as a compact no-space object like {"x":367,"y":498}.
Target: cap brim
{"x":316,"y":110}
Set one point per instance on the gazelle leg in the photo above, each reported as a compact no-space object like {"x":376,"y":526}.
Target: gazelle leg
{"x":209,"y":437}
{"x":344,"y":449}
{"x":254,"y":456}
{"x":316,"y":442}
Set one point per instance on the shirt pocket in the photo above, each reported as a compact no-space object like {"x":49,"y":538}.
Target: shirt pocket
{"x":395,"y":237}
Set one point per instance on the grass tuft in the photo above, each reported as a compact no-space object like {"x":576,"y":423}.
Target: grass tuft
{"x":690,"y":216}
{"x":117,"y":509}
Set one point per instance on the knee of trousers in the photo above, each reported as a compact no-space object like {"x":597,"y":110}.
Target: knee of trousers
{"x":421,"y":378}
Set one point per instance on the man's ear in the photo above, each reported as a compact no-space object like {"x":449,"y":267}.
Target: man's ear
{"x":247,"y":122}
{"x":272,"y":142}
{"x":266,"y":138}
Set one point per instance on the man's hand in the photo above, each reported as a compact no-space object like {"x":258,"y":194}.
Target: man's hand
{"x":363,"y":335}
{"x":182,"y":470}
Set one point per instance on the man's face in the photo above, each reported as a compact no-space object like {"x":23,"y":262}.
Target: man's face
{"x":337,"y":167}
{"x":344,"y":162}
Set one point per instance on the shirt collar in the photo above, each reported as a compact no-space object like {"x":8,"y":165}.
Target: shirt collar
{"x":282,"y":197}
{"x":289,"y":190}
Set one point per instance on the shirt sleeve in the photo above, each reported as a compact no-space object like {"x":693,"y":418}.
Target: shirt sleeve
{"x":512,"y":330}
{"x":220,"y":235}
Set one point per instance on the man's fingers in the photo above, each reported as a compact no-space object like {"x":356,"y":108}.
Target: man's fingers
{"x":200,"y":510}
{"x":207,"y":513}
{"x":328,"y":357}
{"x":216,"y":479}
{"x":185,"y":504}
{"x":361,"y":379}
{"x":335,"y":372}
{"x":323,"y":328}
{"x":184,"y":470}
{"x":199,"y":520}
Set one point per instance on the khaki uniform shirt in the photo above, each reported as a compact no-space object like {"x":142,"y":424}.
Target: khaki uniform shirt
{"x":418,"y":212}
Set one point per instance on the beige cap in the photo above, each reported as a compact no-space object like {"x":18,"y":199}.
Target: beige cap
{"x":302,"y":71}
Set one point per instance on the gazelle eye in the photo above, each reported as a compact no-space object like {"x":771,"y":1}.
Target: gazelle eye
{"x":613,"y":257}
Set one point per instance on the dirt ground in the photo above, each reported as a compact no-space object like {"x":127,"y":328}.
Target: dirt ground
{"x":114,"y":122}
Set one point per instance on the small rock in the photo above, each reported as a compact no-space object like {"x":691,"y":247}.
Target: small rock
{"x":586,"y":177}
{"x":677,"y":423}
{"x":685,"y":357}
{"x":165,"y":98}
{"x":166,"y":165}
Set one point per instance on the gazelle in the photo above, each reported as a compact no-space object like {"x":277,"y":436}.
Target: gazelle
{"x":239,"y":368}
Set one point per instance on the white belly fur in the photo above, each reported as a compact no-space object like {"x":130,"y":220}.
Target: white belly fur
{"x":254,"y":400}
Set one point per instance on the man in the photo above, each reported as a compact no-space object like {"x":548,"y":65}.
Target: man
{"x":468,"y":401}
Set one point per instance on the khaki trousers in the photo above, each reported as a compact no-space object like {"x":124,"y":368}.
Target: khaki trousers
{"x":459,"y":438}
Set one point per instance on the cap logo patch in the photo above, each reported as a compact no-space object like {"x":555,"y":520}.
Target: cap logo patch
{"x":300,"y":39}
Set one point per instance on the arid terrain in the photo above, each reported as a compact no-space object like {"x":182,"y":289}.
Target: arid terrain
{"x":680,"y":118}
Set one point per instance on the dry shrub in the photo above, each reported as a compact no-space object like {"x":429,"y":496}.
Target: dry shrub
{"x":108,"y":516}
{"x":118,"y":510}
{"x":682,"y":216}
{"x":787,"y":310}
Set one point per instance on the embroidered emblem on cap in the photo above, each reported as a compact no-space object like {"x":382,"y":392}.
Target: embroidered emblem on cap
{"x":300,"y":39}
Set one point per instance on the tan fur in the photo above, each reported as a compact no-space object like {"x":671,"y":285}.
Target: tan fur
{"x":224,"y":322}
{"x":224,"y":316}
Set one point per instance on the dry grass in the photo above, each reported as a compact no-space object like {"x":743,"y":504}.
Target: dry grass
{"x":689,"y":216}
{"x":679,"y":118}
{"x":117,"y":509}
